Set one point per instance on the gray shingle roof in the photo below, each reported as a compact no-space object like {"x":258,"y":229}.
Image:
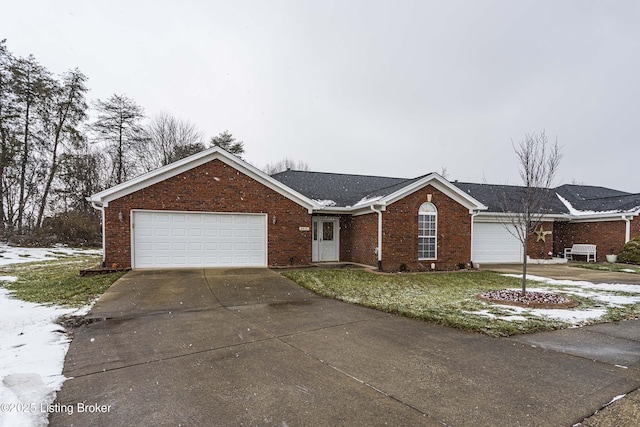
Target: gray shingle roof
{"x":508,"y":198}
{"x":343,"y":189}
{"x":347,"y":190}
{"x":598,"y":199}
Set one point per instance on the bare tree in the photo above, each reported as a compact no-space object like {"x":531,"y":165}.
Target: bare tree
{"x":444,"y":172}
{"x":285,"y":164}
{"x":168,"y":139}
{"x":538,"y":163}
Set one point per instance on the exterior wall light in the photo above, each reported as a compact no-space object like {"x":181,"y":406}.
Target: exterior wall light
{"x":273,"y":220}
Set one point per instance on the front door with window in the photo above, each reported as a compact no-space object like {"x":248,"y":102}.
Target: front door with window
{"x":326,"y":239}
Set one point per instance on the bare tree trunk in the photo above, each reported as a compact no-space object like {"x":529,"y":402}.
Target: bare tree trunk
{"x":524,"y":264}
{"x":54,"y":161}
{"x":23,"y":169}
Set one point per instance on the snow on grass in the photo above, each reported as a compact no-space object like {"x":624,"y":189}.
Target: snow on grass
{"x":606,"y":295}
{"x":32,"y":345}
{"x":17,"y":255}
{"x":32,"y":351}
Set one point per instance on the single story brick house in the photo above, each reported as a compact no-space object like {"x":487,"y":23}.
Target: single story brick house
{"x":213,"y":209}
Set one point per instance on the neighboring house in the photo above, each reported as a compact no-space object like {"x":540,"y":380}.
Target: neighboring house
{"x":213,"y":209}
{"x":574,"y":214}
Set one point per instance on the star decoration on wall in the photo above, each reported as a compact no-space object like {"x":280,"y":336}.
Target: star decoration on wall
{"x":542,"y":235}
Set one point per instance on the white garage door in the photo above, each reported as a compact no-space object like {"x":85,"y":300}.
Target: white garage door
{"x":194,"y":239}
{"x":492,"y":242}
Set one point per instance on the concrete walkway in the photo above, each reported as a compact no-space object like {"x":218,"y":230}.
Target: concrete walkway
{"x":249,"y":347}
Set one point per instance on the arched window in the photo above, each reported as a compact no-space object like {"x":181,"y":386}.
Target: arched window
{"x":427,"y":231}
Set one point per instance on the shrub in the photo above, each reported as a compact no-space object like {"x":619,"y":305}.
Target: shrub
{"x":72,"y":228}
{"x":630,"y":254}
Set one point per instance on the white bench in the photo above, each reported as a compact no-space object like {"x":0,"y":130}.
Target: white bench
{"x":581,"y":249}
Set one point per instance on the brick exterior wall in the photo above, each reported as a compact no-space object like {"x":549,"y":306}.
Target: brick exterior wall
{"x":359,"y":239}
{"x":400,"y":237}
{"x":606,"y":235}
{"x":214,"y":187}
{"x":542,"y":249}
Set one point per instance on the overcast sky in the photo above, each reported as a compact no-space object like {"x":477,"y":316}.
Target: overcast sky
{"x":393,"y":88}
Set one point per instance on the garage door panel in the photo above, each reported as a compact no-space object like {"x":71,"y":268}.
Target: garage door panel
{"x":196,"y":239}
{"x":492,"y":242}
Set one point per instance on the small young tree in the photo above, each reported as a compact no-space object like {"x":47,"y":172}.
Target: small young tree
{"x":538,"y":163}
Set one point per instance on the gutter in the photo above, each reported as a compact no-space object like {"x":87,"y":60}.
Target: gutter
{"x":379,"y":248}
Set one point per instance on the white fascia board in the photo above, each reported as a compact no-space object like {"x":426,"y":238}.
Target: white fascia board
{"x":618,"y":216}
{"x":348,"y":210}
{"x":145,"y":180}
{"x":505,"y":216}
{"x":441,"y":184}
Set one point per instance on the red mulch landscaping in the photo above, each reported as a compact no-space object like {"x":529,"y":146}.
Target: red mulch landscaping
{"x":528,"y":299}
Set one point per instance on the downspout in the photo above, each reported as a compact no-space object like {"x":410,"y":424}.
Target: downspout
{"x":473,"y":216}
{"x":104,"y":241}
{"x":379,"y":248}
{"x":627,"y":229}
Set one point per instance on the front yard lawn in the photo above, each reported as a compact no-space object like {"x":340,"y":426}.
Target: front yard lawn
{"x":449,"y":299}
{"x":57,"y":281}
{"x":621,"y":268}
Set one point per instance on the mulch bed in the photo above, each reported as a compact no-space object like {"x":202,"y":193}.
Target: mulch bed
{"x":98,"y":271}
{"x":528,"y":299}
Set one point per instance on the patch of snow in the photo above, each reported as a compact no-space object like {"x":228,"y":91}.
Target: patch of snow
{"x":18,"y":255}
{"x":326,"y":203}
{"x":601,"y":292}
{"x":32,"y":345}
{"x":32,"y":351}
{"x":367,"y":200}
{"x":576,"y":212}
{"x":628,"y":270}
{"x":618,"y":397}
{"x":508,"y":318}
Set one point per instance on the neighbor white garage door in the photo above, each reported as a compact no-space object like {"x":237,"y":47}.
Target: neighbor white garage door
{"x":194,"y":239}
{"x":492,"y":242}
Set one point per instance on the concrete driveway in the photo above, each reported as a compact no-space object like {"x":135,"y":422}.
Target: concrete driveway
{"x":249,"y":347}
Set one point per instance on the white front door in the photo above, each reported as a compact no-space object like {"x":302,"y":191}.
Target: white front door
{"x":326,"y":239}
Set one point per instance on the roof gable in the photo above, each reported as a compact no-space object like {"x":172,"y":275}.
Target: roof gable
{"x":361,"y":191}
{"x":215,"y":153}
{"x":342,"y":189}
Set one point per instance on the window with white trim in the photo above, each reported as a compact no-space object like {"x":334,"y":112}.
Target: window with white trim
{"x":427,"y":231}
